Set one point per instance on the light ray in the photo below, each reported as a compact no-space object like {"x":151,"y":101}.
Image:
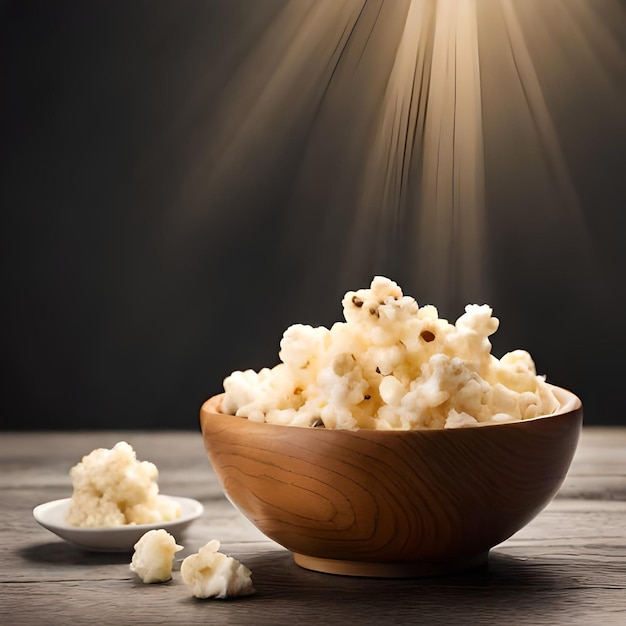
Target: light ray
{"x":535,"y":101}
{"x":450,"y":233}
{"x":414,"y":137}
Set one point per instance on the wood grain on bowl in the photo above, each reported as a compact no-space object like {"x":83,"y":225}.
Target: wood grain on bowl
{"x":391,"y":503}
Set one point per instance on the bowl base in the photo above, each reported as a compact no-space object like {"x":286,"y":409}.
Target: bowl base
{"x":418,"y":569}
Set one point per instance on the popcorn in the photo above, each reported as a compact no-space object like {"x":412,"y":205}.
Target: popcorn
{"x":211,"y":574}
{"x":153,"y":556}
{"x":391,"y":365}
{"x":113,"y":488}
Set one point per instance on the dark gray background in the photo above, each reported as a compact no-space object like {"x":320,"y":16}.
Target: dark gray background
{"x":120,"y":310}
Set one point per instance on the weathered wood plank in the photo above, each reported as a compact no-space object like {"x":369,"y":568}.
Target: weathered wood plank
{"x":568,"y":566}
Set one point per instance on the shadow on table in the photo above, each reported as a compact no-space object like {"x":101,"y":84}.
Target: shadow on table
{"x":66,"y":553}
{"x":509,"y":590}
{"x":508,"y":587}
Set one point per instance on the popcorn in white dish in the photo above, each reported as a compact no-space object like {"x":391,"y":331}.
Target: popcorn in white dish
{"x":112,"y":488}
{"x":211,"y":574}
{"x":392,"y":365}
{"x":153,"y":556}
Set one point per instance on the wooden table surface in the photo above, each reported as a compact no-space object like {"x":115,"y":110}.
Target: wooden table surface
{"x":568,"y":566}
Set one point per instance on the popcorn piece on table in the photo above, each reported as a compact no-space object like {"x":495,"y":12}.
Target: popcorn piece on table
{"x":153,"y":556}
{"x":211,"y":574}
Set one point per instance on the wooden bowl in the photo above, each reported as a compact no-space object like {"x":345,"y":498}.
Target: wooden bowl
{"x":391,"y":503}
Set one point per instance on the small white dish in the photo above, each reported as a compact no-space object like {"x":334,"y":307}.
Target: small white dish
{"x":51,"y":515}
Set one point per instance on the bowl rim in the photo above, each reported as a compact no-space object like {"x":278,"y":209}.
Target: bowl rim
{"x":568,"y":400}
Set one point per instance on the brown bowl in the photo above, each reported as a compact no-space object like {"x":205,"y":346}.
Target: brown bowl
{"x":391,"y":503}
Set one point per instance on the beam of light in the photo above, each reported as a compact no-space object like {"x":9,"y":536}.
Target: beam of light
{"x":382,"y":206}
{"x":450,"y":232}
{"x":536,"y":104}
{"x":424,"y":171}
{"x":399,"y":127}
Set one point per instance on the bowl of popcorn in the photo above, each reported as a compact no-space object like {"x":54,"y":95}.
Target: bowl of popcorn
{"x":394,"y":443}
